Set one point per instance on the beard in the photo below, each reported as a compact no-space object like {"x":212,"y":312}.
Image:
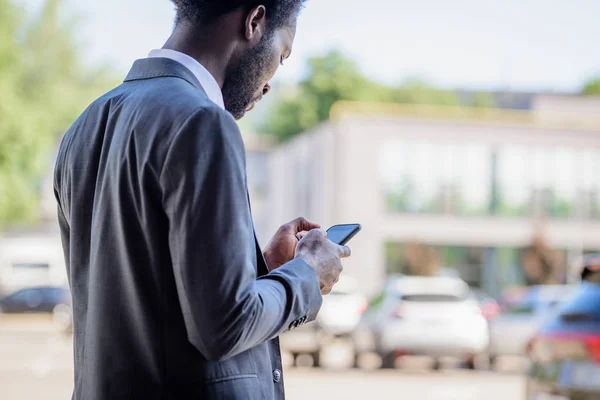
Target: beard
{"x":244,"y":79}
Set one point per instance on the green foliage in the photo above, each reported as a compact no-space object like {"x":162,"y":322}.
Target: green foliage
{"x":333,"y":78}
{"x":416,"y":91}
{"x":592,"y":87}
{"x":483,"y":100}
{"x":44,"y":87}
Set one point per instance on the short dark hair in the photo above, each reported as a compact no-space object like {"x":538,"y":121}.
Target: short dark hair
{"x":279,"y":12}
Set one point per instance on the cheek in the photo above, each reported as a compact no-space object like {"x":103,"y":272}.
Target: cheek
{"x":269,"y":70}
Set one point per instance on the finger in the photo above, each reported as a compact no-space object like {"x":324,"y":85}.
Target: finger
{"x":326,"y":291}
{"x":345,"y":251}
{"x":320,"y":232}
{"x":302,"y":224}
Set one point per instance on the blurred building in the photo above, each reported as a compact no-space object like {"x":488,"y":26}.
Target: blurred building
{"x":477,"y":184}
{"x":258,"y":151}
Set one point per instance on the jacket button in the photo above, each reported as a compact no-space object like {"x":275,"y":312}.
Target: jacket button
{"x":277,"y":375}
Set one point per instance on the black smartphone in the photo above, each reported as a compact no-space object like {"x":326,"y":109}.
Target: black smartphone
{"x":341,"y":234}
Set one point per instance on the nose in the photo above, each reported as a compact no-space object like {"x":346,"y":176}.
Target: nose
{"x":266,"y":89}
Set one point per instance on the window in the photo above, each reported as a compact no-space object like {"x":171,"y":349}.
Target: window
{"x":31,"y":266}
{"x":430,"y":177}
{"x":431,"y":298}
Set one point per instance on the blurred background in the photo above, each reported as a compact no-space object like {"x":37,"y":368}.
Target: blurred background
{"x":464,"y":136}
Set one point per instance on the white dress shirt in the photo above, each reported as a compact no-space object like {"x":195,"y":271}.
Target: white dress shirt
{"x":208,"y":82}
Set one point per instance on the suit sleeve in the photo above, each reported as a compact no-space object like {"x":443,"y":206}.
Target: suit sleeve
{"x":227,"y":310}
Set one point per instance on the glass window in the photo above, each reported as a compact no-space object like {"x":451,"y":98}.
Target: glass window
{"x":408,"y":171}
{"x":31,"y":265}
{"x":425,"y":176}
{"x":565,"y":173}
{"x":475,"y":178}
{"x":431,"y":298}
{"x":514,"y":180}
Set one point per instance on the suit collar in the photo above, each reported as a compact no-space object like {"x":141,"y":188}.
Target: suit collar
{"x":206,"y":79}
{"x":149,"y":68}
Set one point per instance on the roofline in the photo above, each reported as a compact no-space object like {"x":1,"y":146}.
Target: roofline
{"x":468,"y":115}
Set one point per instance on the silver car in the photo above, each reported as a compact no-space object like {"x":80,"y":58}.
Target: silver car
{"x":434,"y":316}
{"x":338,"y":318}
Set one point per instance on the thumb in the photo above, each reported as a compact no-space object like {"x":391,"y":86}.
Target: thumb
{"x":345,"y":252}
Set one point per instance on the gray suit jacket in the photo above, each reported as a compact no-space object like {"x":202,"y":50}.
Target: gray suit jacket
{"x":171,"y":295}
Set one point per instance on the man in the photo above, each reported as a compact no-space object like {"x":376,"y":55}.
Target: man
{"x":172,"y":298}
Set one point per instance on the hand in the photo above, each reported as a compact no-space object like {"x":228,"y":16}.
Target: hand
{"x":323,"y":256}
{"x":282,"y":248}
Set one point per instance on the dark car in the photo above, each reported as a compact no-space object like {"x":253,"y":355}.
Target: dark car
{"x":565,"y":353}
{"x":34,"y":300}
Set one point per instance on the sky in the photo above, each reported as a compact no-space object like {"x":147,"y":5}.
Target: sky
{"x":549,"y":45}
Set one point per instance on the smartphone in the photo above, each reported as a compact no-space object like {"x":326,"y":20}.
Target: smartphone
{"x":341,"y":234}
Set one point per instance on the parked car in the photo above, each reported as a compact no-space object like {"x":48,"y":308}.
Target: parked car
{"x":339,"y":315}
{"x":565,"y":353}
{"x":434,"y":316}
{"x":34,"y":300}
{"x":511,"y":331}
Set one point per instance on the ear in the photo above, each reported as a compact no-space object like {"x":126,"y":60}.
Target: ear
{"x":256,"y":24}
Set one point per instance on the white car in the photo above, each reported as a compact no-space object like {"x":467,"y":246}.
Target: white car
{"x":434,"y":316}
{"x":339,"y":316}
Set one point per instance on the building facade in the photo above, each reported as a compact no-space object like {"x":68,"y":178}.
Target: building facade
{"x":477,"y":185}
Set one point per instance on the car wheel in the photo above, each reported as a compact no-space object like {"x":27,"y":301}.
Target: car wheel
{"x":481,"y":361}
{"x":61,"y":316}
{"x":493,"y":361}
{"x":478,"y":362}
{"x":295,"y":359}
{"x":388,"y":360}
{"x":316,"y":356}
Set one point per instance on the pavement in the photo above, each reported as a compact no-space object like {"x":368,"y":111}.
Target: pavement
{"x":36,"y":362}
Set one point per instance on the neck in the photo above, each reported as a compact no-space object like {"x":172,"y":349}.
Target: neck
{"x":209,"y":47}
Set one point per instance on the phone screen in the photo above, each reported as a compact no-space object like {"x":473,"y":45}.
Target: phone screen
{"x":341,"y":234}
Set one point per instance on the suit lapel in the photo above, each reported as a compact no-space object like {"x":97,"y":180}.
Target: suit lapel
{"x":261,"y":264}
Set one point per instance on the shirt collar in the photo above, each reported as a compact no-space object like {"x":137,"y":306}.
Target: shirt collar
{"x":208,"y":82}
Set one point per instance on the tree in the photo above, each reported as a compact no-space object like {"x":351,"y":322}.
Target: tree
{"x":592,"y":87}
{"x":330,"y":78}
{"x":421,"y":259}
{"x":417,"y":91}
{"x":44,"y":87}
{"x":540,"y":262}
{"x":333,"y":78}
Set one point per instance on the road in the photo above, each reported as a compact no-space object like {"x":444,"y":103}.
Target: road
{"x":36,"y":362}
